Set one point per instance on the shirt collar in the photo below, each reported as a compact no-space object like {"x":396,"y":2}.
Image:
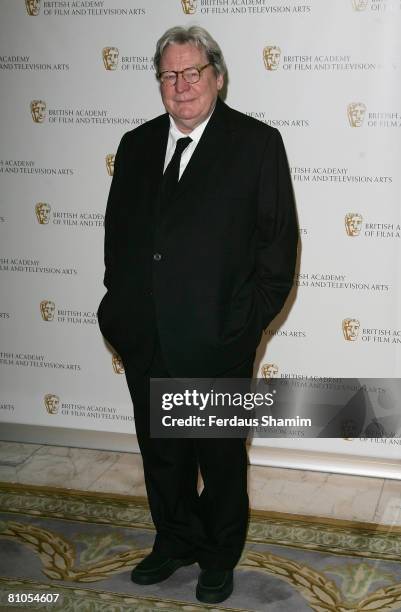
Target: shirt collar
{"x":195,"y":135}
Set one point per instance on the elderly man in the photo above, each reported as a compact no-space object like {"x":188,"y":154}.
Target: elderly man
{"x":200,"y":251}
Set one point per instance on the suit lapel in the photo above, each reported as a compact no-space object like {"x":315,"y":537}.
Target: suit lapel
{"x":157,"y":152}
{"x":211,"y":147}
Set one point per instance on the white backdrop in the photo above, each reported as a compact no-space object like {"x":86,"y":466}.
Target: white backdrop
{"x":325,"y":73}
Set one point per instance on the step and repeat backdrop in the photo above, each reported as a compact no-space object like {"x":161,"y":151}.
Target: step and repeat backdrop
{"x":77,"y":74}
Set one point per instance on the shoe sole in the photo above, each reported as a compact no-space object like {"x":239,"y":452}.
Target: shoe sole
{"x":162,"y":574}
{"x":207,"y":596}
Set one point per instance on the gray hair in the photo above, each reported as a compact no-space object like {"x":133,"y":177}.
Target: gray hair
{"x":194,"y":35}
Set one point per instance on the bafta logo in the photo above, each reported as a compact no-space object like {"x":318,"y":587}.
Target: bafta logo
{"x":42,"y":211}
{"x":47,"y":310}
{"x":110,"y":157}
{"x":349,"y":430}
{"x":269,"y":371}
{"x":110,"y":58}
{"x":32,"y":7}
{"x":359,"y":5}
{"x":356,"y":113}
{"x":189,"y":7}
{"x":52,"y":403}
{"x":351,"y":329}
{"x":374,"y":430}
{"x":271,"y":57}
{"x":353,"y":224}
{"x":38,"y":111}
{"x":118,"y":365}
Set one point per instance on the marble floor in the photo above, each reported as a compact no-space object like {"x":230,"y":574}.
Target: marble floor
{"x":318,"y":494}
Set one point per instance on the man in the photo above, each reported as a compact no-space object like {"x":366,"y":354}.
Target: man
{"x":195,"y":269}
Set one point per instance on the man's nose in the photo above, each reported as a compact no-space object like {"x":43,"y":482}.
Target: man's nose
{"x":181,"y":84}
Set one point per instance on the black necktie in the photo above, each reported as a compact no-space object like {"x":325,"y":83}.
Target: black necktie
{"x":171,"y":174}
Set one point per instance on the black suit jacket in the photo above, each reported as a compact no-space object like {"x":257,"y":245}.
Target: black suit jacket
{"x":227,"y":243}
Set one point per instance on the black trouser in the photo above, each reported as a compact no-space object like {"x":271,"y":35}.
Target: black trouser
{"x":211,"y":526}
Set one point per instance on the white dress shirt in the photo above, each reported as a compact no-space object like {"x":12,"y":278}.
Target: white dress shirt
{"x":174,"y":134}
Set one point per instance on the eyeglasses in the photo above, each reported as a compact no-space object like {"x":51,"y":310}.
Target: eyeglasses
{"x":190,"y":75}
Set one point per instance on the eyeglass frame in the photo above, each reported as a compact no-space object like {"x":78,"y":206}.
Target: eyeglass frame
{"x":181,"y":72}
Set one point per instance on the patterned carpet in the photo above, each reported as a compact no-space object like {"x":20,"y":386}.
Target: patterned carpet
{"x":82,"y":547}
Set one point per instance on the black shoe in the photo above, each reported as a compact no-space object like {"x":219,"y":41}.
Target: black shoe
{"x":214,"y":586}
{"x":156,"y":567}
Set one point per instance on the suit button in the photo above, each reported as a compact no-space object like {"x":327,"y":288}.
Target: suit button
{"x":157,"y":256}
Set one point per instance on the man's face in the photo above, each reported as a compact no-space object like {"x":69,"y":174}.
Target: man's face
{"x":33,"y":7}
{"x":188,"y":104}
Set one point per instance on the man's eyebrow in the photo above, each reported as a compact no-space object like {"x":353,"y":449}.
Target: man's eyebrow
{"x":186,"y":68}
